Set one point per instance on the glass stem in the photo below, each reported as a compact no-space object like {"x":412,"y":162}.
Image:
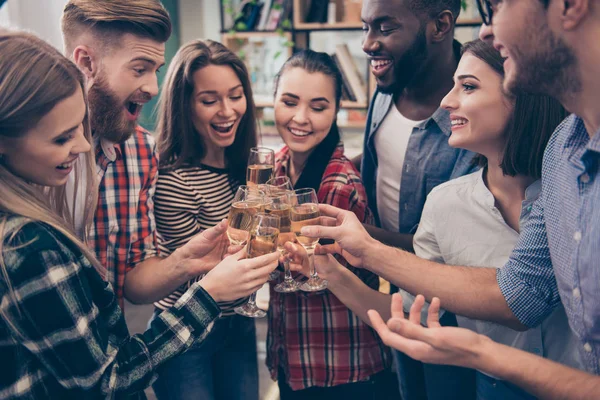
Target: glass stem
{"x":286,"y":268}
{"x":313,"y":269}
{"x":252,"y":299}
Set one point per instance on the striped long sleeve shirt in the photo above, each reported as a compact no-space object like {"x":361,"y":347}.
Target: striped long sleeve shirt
{"x":187,"y":201}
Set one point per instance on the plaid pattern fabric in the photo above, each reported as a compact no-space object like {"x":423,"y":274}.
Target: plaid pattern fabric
{"x":124,"y":230}
{"x":314,"y":337}
{"x":63,"y":335}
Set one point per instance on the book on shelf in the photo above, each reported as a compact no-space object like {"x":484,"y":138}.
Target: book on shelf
{"x":317,"y":11}
{"x":274,"y":15}
{"x":248,"y":14}
{"x":347,"y":93}
{"x":264,"y":15}
{"x":350,"y":71}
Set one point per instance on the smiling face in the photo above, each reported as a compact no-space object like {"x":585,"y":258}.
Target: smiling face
{"x":395,"y":41}
{"x":542,"y":64}
{"x":126,"y":80}
{"x":218,"y":105}
{"x":46,"y":153}
{"x":304,"y":109}
{"x":479,"y":109}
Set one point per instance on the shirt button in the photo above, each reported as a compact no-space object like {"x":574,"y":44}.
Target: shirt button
{"x":576,"y":293}
{"x":587,"y":347}
{"x":577,"y":236}
{"x":585,"y":178}
{"x":537,"y":351}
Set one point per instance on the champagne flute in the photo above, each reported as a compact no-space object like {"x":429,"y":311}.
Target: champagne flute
{"x":305,"y":212}
{"x":263,"y":240}
{"x":261,"y":163}
{"x":274,"y":187}
{"x":246,"y":203}
{"x":281,"y":205}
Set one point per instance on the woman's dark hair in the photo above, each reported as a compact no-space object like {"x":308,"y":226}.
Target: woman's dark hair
{"x":530,"y":126}
{"x":178,"y":141}
{"x":317,"y":62}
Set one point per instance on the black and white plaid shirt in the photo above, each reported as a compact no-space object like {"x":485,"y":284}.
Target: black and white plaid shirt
{"x":67,"y":339}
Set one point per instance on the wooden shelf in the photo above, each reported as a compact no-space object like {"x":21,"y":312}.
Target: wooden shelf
{"x":255,"y":34}
{"x":469,"y":22}
{"x":353,"y":104}
{"x":315,"y":26}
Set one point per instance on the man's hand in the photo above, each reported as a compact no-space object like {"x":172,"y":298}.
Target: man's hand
{"x":236,"y":277}
{"x":435,"y":344}
{"x":352,"y":240}
{"x":205,"y":250}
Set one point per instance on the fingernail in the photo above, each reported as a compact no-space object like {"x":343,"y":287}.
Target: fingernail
{"x":307,"y":231}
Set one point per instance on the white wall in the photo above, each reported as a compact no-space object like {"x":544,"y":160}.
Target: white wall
{"x":41,"y":17}
{"x":199,"y":19}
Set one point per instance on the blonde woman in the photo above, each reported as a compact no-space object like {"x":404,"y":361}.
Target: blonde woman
{"x":62,"y":333}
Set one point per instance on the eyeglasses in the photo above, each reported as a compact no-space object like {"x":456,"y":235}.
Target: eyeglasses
{"x":485,"y":10}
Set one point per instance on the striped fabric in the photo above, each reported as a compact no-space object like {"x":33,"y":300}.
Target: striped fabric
{"x":65,"y":337}
{"x":123,"y":233}
{"x":314,"y":337}
{"x":187,"y":201}
{"x":557,"y":256}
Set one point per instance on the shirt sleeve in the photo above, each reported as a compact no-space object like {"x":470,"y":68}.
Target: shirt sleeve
{"x":144,"y":244}
{"x":177,"y":207}
{"x":67,"y":317}
{"x":352,"y":197}
{"x":527,"y":280}
{"x":427,"y":247}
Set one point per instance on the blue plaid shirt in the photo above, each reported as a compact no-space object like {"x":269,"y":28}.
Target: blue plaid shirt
{"x":557,"y":257}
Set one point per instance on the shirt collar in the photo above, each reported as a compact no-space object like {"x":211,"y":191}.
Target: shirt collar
{"x":532,"y":192}
{"x":110,"y":150}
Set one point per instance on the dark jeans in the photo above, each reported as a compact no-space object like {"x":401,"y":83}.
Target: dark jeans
{"x":381,"y":386}
{"x":223,"y":366}
{"x":489,"y":388}
{"x":420,"y":381}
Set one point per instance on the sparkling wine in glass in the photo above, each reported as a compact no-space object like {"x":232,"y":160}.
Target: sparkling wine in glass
{"x":305,"y":212}
{"x":261,"y":163}
{"x":281,"y":206}
{"x":246,"y":204}
{"x":278,"y":185}
{"x":263,"y":240}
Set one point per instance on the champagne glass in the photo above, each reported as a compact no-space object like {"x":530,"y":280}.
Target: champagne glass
{"x":274,"y":187}
{"x":281,"y":205}
{"x":304,"y":212}
{"x":263,"y":240}
{"x":246,"y":203}
{"x":261,"y":163}
{"x":278,"y":185}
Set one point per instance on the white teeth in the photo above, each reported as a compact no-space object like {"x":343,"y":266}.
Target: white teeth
{"x":65,"y":165}
{"x":225,"y":126}
{"x":380,"y":63}
{"x":459,"y":121}
{"x":297,"y":132}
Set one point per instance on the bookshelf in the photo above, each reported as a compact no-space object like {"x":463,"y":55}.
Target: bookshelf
{"x":265,"y":50}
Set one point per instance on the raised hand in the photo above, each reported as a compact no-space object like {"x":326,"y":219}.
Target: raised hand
{"x":351,"y":238}
{"x":236,"y":276}
{"x":205,"y":250}
{"x":433,"y":344}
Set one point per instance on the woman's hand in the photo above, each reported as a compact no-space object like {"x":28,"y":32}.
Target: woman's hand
{"x":236,"y":276}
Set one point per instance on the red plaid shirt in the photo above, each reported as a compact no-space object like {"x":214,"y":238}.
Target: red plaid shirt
{"x":314,"y":338}
{"x":124,"y":231}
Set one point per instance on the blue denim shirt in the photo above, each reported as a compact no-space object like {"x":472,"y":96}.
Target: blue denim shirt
{"x":429,"y":161}
{"x":557,"y":257}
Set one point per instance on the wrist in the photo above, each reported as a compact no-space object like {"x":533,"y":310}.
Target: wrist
{"x":209,"y":287}
{"x":482,"y":355}
{"x":179,"y":259}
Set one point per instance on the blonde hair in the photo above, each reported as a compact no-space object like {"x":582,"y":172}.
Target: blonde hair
{"x":108,"y":20}
{"x":34,"y":78}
